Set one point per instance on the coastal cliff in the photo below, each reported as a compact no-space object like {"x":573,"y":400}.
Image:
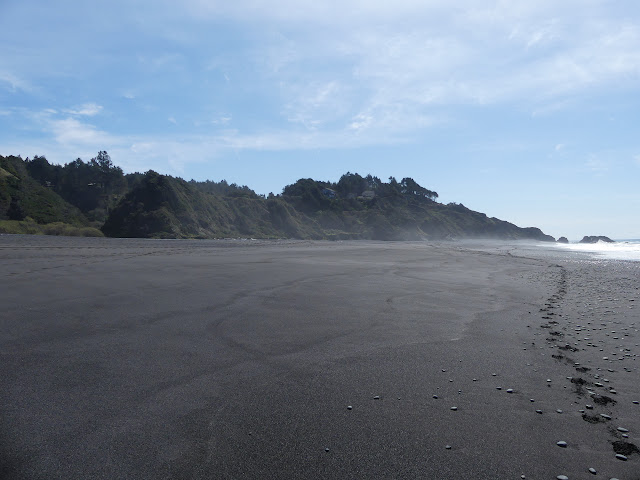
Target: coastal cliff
{"x":150,"y":205}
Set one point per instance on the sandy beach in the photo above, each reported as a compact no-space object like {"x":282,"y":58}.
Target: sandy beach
{"x":148,"y":359}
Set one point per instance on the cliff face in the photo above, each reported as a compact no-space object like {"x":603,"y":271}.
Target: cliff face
{"x":166,"y":207}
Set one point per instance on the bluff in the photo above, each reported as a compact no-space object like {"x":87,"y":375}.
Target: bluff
{"x":37,"y":196}
{"x":356,"y":207}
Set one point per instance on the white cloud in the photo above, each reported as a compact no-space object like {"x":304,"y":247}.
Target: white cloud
{"x":87,"y":109}
{"x":70,"y":131}
{"x":14,"y":83}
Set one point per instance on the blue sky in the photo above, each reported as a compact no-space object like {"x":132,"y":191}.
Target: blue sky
{"x":527,"y":111}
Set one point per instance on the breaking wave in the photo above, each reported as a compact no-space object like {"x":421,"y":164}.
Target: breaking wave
{"x":620,"y":250}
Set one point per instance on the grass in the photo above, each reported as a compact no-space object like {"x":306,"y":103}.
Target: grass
{"x":30,"y":227}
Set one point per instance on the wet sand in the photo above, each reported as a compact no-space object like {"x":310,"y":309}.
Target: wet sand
{"x":239,"y":359}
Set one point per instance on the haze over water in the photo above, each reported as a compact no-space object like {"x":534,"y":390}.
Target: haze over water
{"x":620,"y":250}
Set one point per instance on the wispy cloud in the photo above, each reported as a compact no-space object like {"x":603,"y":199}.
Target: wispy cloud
{"x":87,"y":109}
{"x":14,"y":83}
{"x":597,"y":165}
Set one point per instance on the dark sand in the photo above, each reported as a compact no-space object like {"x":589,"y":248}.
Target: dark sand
{"x":238,"y":359}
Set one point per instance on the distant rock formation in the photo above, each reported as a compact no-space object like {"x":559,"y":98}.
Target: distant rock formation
{"x":563,"y":240}
{"x":596,"y":239}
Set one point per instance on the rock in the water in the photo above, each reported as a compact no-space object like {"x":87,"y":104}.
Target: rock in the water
{"x":596,"y":239}
{"x":563,"y":240}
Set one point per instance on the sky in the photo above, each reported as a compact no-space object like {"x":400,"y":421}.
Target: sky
{"x":526,"y":111}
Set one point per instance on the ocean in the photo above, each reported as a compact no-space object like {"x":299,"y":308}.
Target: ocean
{"x":628,"y":249}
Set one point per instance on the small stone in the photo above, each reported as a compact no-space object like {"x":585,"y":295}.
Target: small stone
{"x":326,"y":449}
{"x":435,"y":396}
{"x":531,"y":400}
{"x":592,"y":471}
{"x":605,"y":416}
{"x":509,"y":390}
{"x":349,"y":407}
{"x":559,"y":411}
{"x":636,"y":402}
{"x":377,"y":397}
{"x":612,"y":391}
{"x":619,"y":456}
{"x":590,"y":407}
{"x":562,"y":477}
{"x":548,"y":379}
{"x":539,"y":411}
{"x":498,"y":388}
{"x":562,"y":444}
{"x":454,"y":408}
{"x":448,"y":447}
{"x":622,"y":429}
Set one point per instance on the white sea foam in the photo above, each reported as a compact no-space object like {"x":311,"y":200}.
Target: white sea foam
{"x":620,"y":250}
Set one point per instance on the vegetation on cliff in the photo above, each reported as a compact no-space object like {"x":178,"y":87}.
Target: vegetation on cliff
{"x":152,"y":205}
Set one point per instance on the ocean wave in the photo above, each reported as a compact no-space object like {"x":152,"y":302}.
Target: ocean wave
{"x":620,"y":250}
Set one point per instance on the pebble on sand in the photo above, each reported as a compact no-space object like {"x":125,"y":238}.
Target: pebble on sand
{"x":562,"y":444}
{"x":349,"y":407}
{"x":593,"y":471}
{"x":562,"y":477}
{"x":619,"y":456}
{"x":454,"y":408}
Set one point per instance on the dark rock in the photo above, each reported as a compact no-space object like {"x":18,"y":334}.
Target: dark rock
{"x":596,"y":239}
{"x":563,"y":240}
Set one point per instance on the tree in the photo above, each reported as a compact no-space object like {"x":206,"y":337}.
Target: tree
{"x":408,"y":186}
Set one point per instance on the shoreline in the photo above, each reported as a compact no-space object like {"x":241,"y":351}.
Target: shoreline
{"x":174,"y":359}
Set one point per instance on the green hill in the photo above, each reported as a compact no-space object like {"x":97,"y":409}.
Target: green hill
{"x":36,"y":194}
{"x":354,"y":208}
{"x":21,"y":196}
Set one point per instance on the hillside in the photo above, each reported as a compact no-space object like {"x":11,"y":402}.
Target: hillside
{"x":21,"y":196}
{"x":354,"y":208}
{"x":152,"y":205}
